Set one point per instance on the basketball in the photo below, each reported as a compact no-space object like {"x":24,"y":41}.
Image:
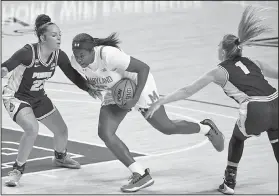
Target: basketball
{"x":123,"y":91}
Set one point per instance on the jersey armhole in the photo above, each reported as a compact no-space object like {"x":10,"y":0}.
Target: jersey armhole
{"x":226,"y":74}
{"x":101,"y":50}
{"x":33,"y":57}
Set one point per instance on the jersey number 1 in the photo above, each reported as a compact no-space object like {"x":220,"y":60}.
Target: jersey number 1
{"x":242,"y":67}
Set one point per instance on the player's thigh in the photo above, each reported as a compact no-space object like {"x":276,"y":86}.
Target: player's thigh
{"x":42,"y":107}
{"x":109,"y":119}
{"x":47,"y":113}
{"x":160,"y":120}
{"x":274,"y":115}
{"x":55,"y":123}
{"x":254,"y":118}
{"x":239,"y":134}
{"x":149,"y":94}
{"x":273,"y":135}
{"x":22,"y":113}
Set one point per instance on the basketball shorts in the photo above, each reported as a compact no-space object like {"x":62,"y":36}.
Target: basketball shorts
{"x":148,"y":96}
{"x":41,"y":106}
{"x":258,"y":114}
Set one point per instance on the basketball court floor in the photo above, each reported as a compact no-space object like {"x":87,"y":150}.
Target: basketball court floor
{"x":179,"y":46}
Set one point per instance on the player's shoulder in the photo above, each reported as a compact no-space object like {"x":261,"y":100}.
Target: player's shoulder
{"x":106,"y":51}
{"x":226,"y":63}
{"x":28,"y":47}
{"x":26,"y":52}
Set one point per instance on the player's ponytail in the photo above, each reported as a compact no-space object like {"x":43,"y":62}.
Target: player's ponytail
{"x":111,"y":40}
{"x":41,"y":23}
{"x":87,"y":42}
{"x":249,"y":27}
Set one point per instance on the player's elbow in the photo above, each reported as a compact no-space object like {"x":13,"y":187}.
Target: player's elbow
{"x":146,"y":68}
{"x":138,"y":66}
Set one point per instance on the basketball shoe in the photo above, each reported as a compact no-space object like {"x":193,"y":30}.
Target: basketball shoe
{"x":215,"y":136}
{"x":229,"y":182}
{"x":64,"y":160}
{"x":137,"y":182}
{"x":15,"y":175}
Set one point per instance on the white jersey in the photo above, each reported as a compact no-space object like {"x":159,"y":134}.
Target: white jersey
{"x":108,"y":68}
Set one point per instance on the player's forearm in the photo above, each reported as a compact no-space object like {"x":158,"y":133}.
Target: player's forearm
{"x":175,"y":96}
{"x":79,"y":81}
{"x":75,"y":77}
{"x":142,"y":78}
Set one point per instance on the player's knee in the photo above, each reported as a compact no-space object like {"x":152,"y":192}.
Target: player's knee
{"x":104,"y":135}
{"x":31,"y":129}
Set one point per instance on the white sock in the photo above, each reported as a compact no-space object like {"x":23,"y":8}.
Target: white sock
{"x":204,"y":129}
{"x":136,"y":167}
{"x":19,"y":163}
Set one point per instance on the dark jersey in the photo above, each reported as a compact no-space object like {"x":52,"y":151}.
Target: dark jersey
{"x":30,"y":72}
{"x":244,"y":79}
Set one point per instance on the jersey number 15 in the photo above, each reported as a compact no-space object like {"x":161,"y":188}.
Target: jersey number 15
{"x":242,"y":67}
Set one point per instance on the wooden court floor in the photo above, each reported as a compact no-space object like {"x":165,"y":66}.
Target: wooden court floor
{"x":179,"y":47}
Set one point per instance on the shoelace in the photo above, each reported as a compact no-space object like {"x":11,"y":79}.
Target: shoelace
{"x":13,"y":173}
{"x":134,"y":178}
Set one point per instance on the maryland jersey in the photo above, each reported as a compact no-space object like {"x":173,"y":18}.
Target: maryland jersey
{"x":108,"y":67}
{"x":27,"y":81}
{"x":245,"y":80}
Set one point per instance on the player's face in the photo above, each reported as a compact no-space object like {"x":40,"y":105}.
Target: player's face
{"x":84,"y":57}
{"x":52,"y":37}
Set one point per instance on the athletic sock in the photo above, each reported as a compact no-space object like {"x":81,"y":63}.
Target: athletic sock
{"x":204,"y":129}
{"x":136,"y":168}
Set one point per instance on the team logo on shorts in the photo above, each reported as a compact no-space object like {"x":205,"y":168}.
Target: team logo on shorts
{"x":12,"y":107}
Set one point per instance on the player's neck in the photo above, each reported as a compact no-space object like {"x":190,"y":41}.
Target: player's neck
{"x":44,"y":51}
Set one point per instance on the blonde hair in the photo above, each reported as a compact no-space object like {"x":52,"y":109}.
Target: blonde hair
{"x":249,"y":27}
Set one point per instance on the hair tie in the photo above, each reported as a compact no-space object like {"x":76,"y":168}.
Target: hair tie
{"x":237,"y":42}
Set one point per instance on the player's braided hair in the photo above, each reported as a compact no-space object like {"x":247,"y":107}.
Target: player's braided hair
{"x":249,"y":27}
{"x":41,"y":23}
{"x":86,"y":41}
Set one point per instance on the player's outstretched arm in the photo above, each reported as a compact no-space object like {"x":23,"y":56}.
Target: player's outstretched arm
{"x":267,"y":70}
{"x":22,"y":56}
{"x":65,"y":65}
{"x":216,"y":75}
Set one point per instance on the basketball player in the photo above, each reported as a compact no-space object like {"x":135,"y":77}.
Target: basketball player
{"x":104,"y":64}
{"x":26,"y":101}
{"x":243,"y":80}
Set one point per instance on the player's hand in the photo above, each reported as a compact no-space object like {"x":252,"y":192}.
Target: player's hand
{"x":152,"y":109}
{"x":94,"y":92}
{"x":130,"y":104}
{"x":4,"y":72}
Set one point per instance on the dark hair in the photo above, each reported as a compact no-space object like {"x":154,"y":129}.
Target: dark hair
{"x":41,"y":23}
{"x":248,"y":28}
{"x":87,"y":42}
